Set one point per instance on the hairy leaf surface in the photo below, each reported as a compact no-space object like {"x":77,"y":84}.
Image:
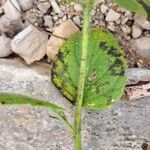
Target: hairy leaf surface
{"x":141,"y":7}
{"x":105,"y":79}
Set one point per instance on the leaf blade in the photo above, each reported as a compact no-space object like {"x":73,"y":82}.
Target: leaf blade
{"x":102,"y":68}
{"x":138,"y":6}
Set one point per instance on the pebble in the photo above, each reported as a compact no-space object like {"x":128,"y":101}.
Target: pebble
{"x":78,"y":8}
{"x":5,"y":46}
{"x":48,"y":22}
{"x":61,"y":14}
{"x":30,"y":44}
{"x":55,"y":18}
{"x":124,"y":20}
{"x":136,"y":31}
{"x":126,"y":29}
{"x":25,"y":4}
{"x":134,"y":75}
{"x":77,"y":20}
{"x":56,"y":7}
{"x":111,"y":27}
{"x":11,"y":27}
{"x":112,"y":16}
{"x":104,"y":8}
{"x":10,"y":10}
{"x":64,"y":18}
{"x":145,"y":24}
{"x":142,"y":46}
{"x":66,"y":29}
{"x":43,"y":7}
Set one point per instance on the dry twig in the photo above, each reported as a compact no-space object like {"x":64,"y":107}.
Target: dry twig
{"x":138,"y":90}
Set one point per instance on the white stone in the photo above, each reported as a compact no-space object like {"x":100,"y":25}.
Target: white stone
{"x":43,"y":7}
{"x":61,"y":14}
{"x":111,"y":27}
{"x":5,"y":46}
{"x":55,"y":6}
{"x":48,"y":21}
{"x":64,"y":30}
{"x":25,"y":4}
{"x":77,"y":20}
{"x":10,"y":11}
{"x":143,"y":47}
{"x":145,"y":24}
{"x":124,"y":20}
{"x":4,"y":23}
{"x":112,"y":15}
{"x":78,"y":8}
{"x":30,"y":44}
{"x":136,"y":32}
{"x":134,"y":75}
{"x":103,"y":8}
{"x":126,"y":29}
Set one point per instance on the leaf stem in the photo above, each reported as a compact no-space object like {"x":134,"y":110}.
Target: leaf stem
{"x":84,"y":51}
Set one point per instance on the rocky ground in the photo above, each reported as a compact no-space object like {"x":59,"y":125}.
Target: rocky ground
{"x":123,"y":127}
{"x":23,"y":23}
{"x":34,"y":30}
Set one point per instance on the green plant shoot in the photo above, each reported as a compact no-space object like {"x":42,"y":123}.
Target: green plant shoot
{"x":89,"y":69}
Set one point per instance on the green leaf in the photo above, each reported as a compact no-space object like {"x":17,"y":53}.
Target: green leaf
{"x":141,"y":7}
{"x":105,"y":79}
{"x":15,"y":99}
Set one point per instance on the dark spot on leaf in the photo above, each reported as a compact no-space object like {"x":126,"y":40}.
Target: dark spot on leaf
{"x":102,"y":45}
{"x":122,"y":73}
{"x":3,"y":103}
{"x":118,"y":62}
{"x":113,"y":52}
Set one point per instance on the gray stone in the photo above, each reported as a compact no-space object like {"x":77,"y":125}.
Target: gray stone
{"x":145,"y":24}
{"x":25,"y":4}
{"x":5,"y":46}
{"x":43,"y":7}
{"x":136,"y":32}
{"x":104,"y":8}
{"x":111,"y":27}
{"x":55,"y":6}
{"x":78,"y":8}
{"x":112,"y":15}
{"x":142,"y":46}
{"x":122,"y":127}
{"x":11,"y":27}
{"x":61,"y":14}
{"x":126,"y":29}
{"x":24,"y":126}
{"x":48,"y":21}
{"x":134,"y":75}
{"x":77,"y":20}
{"x":30,"y":44}
{"x":10,"y":11}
